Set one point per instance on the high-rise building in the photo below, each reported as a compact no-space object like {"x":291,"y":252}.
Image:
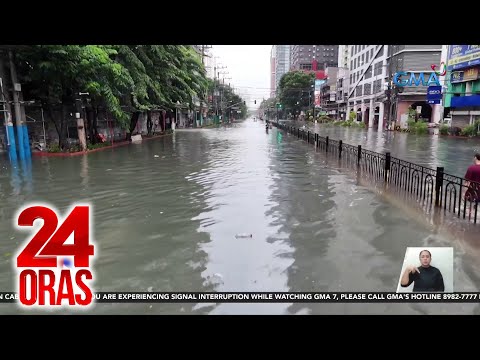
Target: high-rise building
{"x":273,"y":82}
{"x":302,"y":56}
{"x":367,"y":75}
{"x":282,"y":61}
{"x":343,"y":84}
{"x":372,"y":94}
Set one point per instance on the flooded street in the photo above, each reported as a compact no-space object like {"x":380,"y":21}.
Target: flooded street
{"x":169,"y":223}
{"x":455,"y":154}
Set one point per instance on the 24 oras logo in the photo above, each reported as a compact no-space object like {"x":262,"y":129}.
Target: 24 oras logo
{"x":46,"y":277}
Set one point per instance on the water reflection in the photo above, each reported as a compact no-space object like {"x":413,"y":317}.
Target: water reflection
{"x":167,"y":212}
{"x":454,"y":154}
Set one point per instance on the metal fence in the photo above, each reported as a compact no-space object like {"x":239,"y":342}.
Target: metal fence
{"x":429,"y":188}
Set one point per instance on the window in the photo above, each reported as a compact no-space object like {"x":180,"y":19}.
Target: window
{"x":355,"y":63}
{"x":358,"y":90}
{"x":351,"y":79}
{"x":351,"y":66}
{"x":368,"y":73}
{"x":363,"y":58}
{"x":380,"y":53}
{"x":305,"y":66}
{"x":367,"y":88}
{"x":371,"y":52}
{"x":368,"y":55}
{"x":377,"y":86}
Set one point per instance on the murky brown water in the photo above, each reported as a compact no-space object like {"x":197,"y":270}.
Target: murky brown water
{"x":454,"y":154}
{"x":168,"y":223}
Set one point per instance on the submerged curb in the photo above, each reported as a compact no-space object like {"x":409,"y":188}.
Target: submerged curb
{"x":77,"y":153}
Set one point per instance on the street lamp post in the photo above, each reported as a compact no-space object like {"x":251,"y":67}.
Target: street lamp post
{"x":310,"y":97}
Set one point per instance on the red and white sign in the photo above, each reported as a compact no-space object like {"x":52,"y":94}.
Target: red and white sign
{"x":46,"y":275}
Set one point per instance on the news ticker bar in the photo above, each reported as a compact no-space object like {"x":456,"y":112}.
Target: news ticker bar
{"x":271,"y":297}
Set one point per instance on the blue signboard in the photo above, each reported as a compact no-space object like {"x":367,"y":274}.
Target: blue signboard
{"x":462,"y":56}
{"x":456,"y":77}
{"x":434,"y":94}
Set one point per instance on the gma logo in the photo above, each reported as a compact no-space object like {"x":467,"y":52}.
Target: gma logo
{"x":403,"y":78}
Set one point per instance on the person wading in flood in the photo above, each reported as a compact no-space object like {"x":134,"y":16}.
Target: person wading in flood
{"x":426,"y":278}
{"x":471,"y":191}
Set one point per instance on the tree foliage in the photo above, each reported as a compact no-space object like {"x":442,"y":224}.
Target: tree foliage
{"x":125,"y":79}
{"x":268,"y":103}
{"x":295,"y":88}
{"x":226,"y":99}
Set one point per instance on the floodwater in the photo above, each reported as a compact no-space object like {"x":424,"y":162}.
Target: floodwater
{"x":454,"y":154}
{"x":167,"y":212}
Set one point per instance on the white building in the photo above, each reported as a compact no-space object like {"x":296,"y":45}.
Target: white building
{"x":273,"y":79}
{"x":367,"y":74}
{"x":282,"y":61}
{"x":209,"y":62}
{"x":343,"y":84}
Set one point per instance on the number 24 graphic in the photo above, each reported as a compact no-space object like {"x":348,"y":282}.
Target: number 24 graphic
{"x":77,"y":222}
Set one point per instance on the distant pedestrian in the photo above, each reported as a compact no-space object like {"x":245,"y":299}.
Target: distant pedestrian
{"x":471,"y":191}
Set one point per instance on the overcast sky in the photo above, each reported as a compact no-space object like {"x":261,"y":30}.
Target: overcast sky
{"x":248,"y":66}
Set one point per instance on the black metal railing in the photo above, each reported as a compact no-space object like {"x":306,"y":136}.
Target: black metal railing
{"x":428,"y":187}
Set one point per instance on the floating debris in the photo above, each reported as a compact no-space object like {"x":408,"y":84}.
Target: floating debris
{"x":239,"y":236}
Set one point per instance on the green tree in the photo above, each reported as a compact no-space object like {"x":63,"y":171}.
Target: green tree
{"x":268,"y":106}
{"x":163,"y":75}
{"x":226,"y":100}
{"x":126,"y":79}
{"x":55,"y":74}
{"x":294,"y":90}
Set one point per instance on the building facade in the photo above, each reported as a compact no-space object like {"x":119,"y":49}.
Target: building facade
{"x":414,"y":59}
{"x":282,"y":62}
{"x":463,"y":87}
{"x":302,"y":56}
{"x":343,"y":84}
{"x":373,"y":95}
{"x":328,"y":102}
{"x":273,"y":82}
{"x":367,"y":74}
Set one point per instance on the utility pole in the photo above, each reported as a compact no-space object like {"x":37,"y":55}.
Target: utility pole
{"x":219,"y":103}
{"x":203,"y":48}
{"x":7,"y":113}
{"x":222,"y":94}
{"x":80,"y":122}
{"x":22,"y":131}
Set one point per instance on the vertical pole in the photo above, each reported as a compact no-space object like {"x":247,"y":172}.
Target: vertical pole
{"x":80,"y":124}
{"x":386,"y":174}
{"x":43,"y":127}
{"x":201,"y":101}
{"x":438,"y":185}
{"x":18,"y":113}
{"x":9,"y":130}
